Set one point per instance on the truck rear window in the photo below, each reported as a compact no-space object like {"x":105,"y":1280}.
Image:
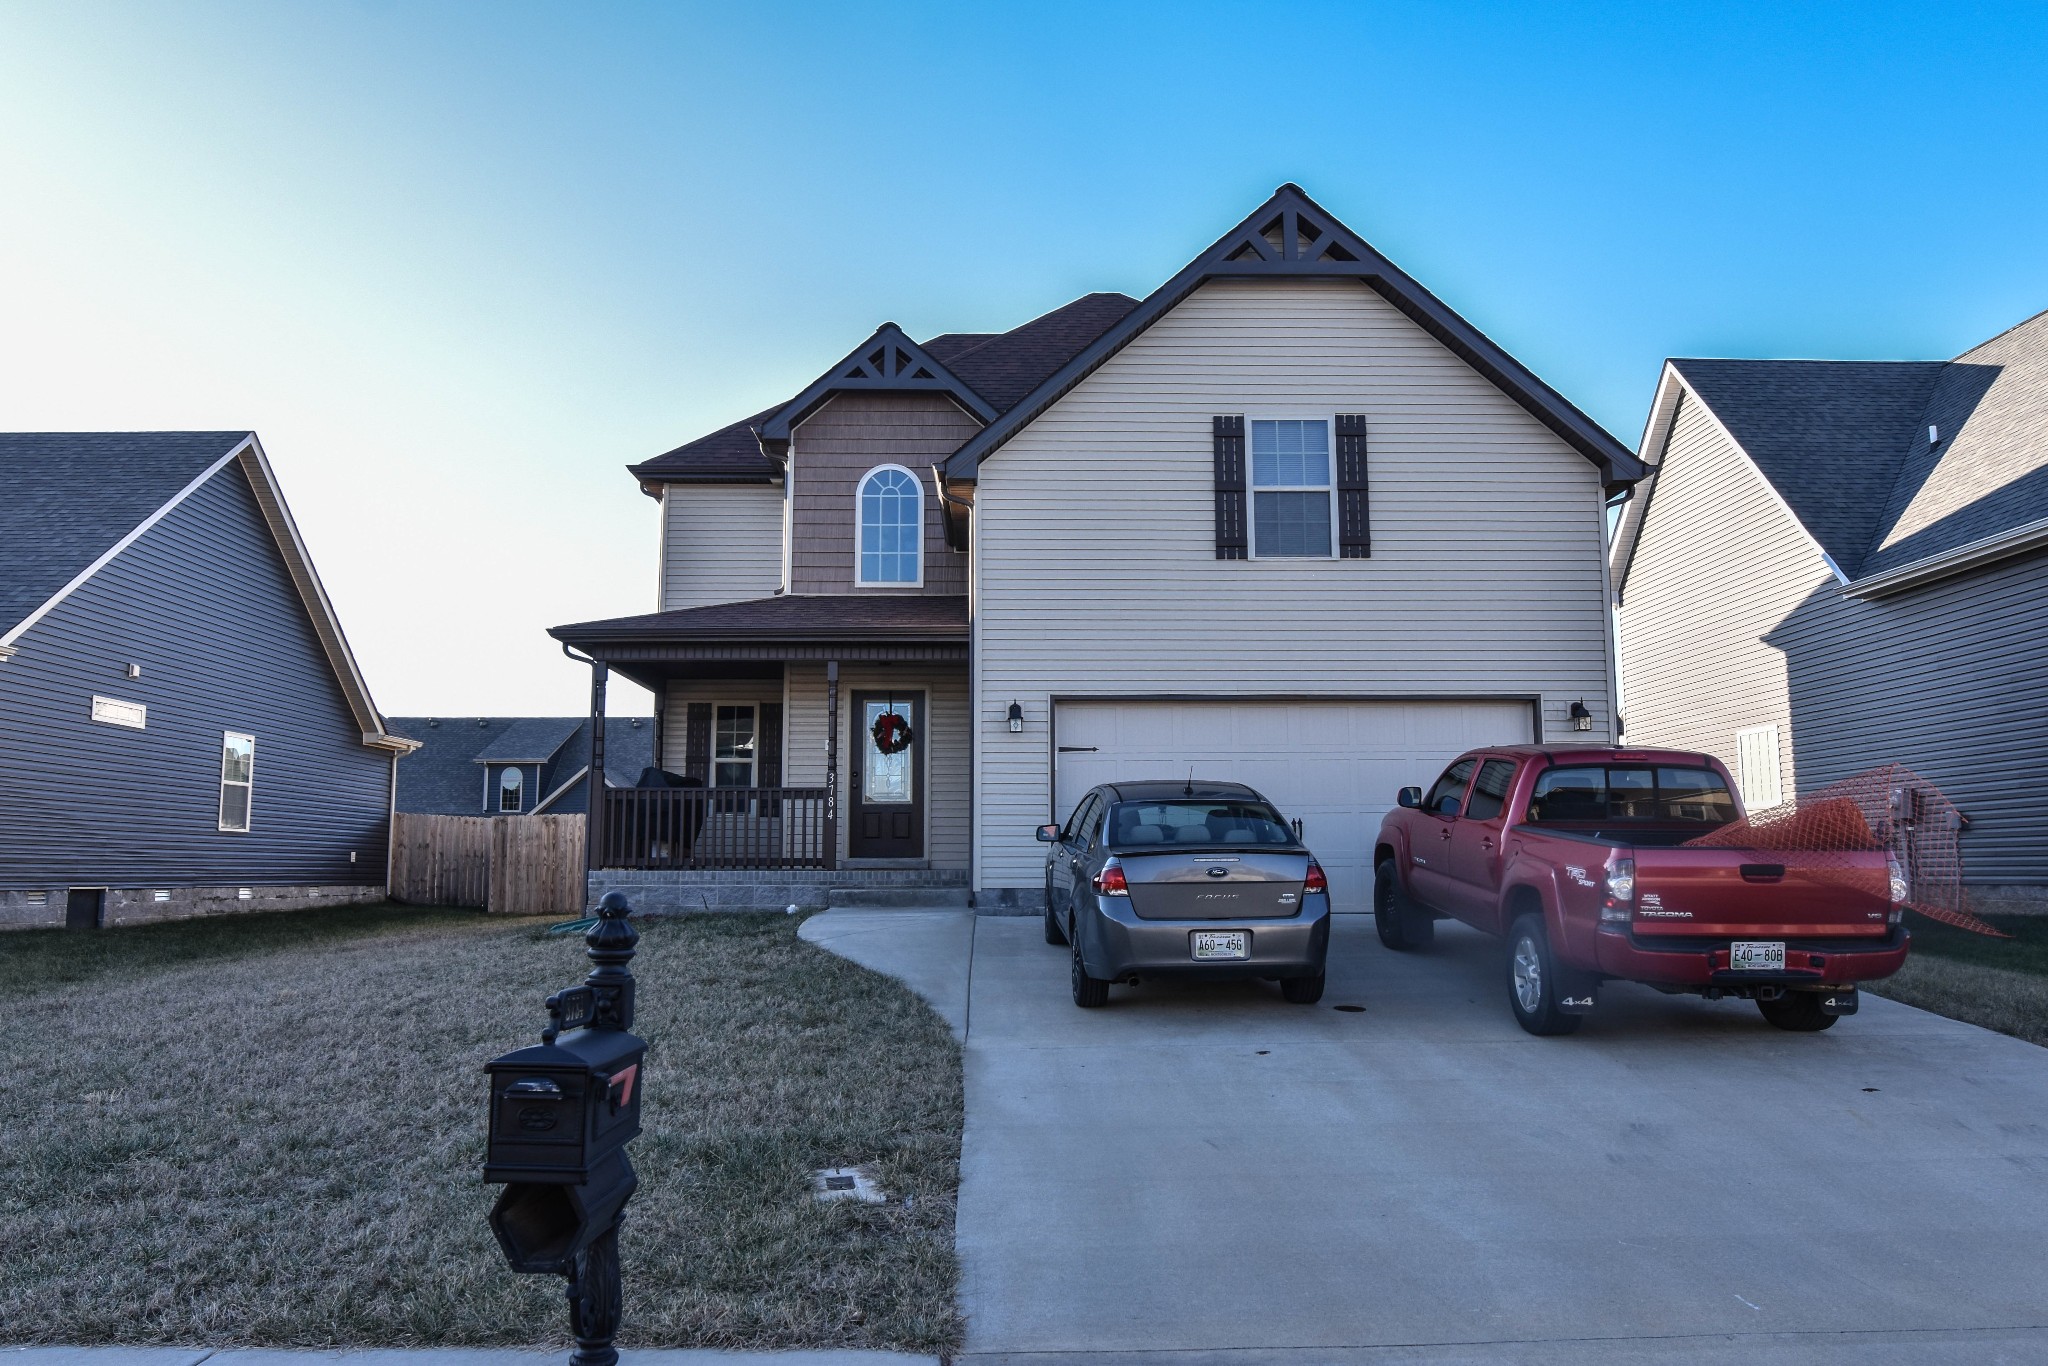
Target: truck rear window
{"x":1607,"y":794}
{"x":1196,"y":823}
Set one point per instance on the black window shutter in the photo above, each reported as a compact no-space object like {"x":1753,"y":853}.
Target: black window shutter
{"x":768,"y":754}
{"x":1354,"y":504}
{"x":697,"y":742}
{"x":1230,"y":508}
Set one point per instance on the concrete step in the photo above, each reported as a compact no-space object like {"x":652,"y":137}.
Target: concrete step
{"x":882,"y":896}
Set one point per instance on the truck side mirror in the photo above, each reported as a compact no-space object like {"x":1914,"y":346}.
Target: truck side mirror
{"x":1048,"y":834}
{"x":1410,"y":797}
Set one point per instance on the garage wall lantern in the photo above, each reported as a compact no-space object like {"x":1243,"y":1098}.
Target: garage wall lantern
{"x":1016,"y":718}
{"x":1581,"y":718}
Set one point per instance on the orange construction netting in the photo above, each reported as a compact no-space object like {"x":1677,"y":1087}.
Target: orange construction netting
{"x":1890,"y":808}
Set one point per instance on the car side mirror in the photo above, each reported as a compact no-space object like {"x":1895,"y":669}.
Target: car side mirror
{"x":1410,"y":797}
{"x":1048,"y":834}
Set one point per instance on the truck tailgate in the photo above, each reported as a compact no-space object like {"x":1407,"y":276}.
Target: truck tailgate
{"x":1779,"y":894}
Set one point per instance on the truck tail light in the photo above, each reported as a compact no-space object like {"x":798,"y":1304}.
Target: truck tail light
{"x":1621,"y":892}
{"x":1111,"y":881}
{"x":1317,"y":880}
{"x":1900,"y":890}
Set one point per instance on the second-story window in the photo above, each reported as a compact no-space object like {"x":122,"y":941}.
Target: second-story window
{"x":1291,"y":503}
{"x":891,"y":505}
{"x":511,"y":790}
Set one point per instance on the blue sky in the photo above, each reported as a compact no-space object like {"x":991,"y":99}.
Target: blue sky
{"x":458,"y":264}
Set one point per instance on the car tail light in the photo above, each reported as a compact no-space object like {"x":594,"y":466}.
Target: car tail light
{"x":1111,"y":881}
{"x":1317,"y":881}
{"x":1621,"y":892}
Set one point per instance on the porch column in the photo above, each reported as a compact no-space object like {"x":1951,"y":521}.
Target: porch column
{"x":593,"y":783}
{"x":832,"y":764}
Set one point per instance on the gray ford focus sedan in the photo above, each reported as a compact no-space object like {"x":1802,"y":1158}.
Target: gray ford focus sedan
{"x":1184,"y":879}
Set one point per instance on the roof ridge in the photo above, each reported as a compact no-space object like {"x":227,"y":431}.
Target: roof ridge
{"x":2000,"y":336}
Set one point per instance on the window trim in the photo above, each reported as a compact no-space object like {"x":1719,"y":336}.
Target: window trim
{"x":249,"y":809}
{"x":860,"y":489}
{"x":712,"y":761}
{"x":517,"y":789}
{"x":1252,"y":488}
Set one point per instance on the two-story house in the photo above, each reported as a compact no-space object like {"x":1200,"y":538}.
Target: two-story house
{"x":1288,"y":520}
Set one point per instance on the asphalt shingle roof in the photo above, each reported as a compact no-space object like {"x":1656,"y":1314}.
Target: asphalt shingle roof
{"x":529,"y":740}
{"x":66,"y":498}
{"x":793,"y":616}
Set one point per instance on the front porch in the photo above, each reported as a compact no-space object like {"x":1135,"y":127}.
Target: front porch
{"x":777,"y":778}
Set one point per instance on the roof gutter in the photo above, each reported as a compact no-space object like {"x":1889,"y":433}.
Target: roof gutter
{"x":1978,"y":554}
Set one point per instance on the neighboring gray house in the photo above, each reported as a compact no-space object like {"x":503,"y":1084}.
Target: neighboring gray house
{"x":1840,"y":564}
{"x":182,"y":726}
{"x":1287,"y":519}
{"x":513,"y":765}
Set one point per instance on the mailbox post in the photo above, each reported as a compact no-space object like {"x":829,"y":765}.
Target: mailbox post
{"x":561,"y":1114}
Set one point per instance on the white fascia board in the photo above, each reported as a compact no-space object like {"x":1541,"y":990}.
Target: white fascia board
{"x":2005,"y":545}
{"x":1656,"y":432}
{"x":20,"y":628}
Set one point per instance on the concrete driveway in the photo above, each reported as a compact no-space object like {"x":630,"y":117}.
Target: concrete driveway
{"x":1201,"y":1173}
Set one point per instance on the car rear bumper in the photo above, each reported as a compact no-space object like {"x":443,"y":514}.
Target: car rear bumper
{"x":1807,"y":962}
{"x":1116,"y":944}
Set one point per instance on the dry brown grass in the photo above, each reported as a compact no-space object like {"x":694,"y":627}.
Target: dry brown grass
{"x":2001,"y":984}
{"x":268,"y":1132}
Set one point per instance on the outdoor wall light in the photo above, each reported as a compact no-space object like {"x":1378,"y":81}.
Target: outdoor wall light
{"x":1016,"y":718}
{"x":1581,"y":718}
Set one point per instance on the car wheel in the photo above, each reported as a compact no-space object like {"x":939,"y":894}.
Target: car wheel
{"x":1401,"y":923}
{"x":1798,"y":1011}
{"x":1053,"y":933}
{"x":1302,"y":991}
{"x":1089,"y":992}
{"x":1532,"y":980}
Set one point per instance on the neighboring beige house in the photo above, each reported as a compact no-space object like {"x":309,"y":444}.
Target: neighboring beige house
{"x":1839,"y":565}
{"x":1287,"y":520}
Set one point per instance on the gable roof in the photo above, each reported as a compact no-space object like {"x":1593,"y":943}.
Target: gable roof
{"x":887,"y":362}
{"x":78,"y":499}
{"x":1290,"y":235}
{"x":985,"y":372}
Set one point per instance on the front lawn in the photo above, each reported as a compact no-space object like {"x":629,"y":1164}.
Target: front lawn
{"x":267,"y":1130}
{"x":2001,"y":984}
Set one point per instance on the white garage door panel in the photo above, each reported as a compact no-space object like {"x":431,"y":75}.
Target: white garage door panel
{"x":1333,"y":765}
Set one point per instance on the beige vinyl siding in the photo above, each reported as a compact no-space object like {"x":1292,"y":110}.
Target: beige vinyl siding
{"x":1095,"y":554}
{"x":831,"y":451}
{"x":719,"y":543}
{"x":682,"y":692}
{"x":1718,"y":566}
{"x":946,"y":750}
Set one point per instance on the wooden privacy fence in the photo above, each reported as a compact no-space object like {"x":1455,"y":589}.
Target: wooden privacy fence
{"x":508,"y":865}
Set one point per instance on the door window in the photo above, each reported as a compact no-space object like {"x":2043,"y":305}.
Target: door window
{"x":1446,"y":797}
{"x":884,"y":778}
{"x":1490,"y":791}
{"x":732,"y":746}
{"x":1077,"y":820}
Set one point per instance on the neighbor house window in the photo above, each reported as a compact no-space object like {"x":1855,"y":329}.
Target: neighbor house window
{"x":732,"y":746}
{"x":1291,"y":502}
{"x":237,"y":779}
{"x":891,"y":527}
{"x":511,"y":790}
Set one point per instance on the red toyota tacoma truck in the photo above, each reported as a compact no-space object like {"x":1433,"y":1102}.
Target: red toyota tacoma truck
{"x":1581,"y":858}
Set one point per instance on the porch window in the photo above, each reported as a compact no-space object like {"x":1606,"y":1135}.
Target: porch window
{"x":1291,"y":502}
{"x":511,"y":789}
{"x":891,"y":528}
{"x":237,"y":780}
{"x":732,"y":746}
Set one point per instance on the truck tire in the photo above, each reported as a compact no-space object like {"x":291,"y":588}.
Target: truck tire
{"x":1089,"y":992}
{"x":1402,"y":924}
{"x":1798,"y":1011}
{"x":1533,"y":980}
{"x":1053,"y":933}
{"x":1302,"y":991}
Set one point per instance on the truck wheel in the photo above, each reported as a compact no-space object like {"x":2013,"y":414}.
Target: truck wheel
{"x":1401,"y":923}
{"x":1089,"y":992}
{"x":1798,"y":1011}
{"x":1053,"y":933}
{"x":1302,"y":991}
{"x":1532,"y":980}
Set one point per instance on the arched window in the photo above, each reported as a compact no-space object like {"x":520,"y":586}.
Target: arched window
{"x":891,"y":504}
{"x":511,"y":787}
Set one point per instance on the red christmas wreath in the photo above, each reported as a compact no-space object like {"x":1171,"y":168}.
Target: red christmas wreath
{"x":892,"y":733}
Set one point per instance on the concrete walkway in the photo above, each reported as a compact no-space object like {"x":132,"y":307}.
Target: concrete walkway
{"x":1203,"y":1174}
{"x":262,"y":1356}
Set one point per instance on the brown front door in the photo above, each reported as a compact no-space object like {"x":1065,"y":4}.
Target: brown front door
{"x":888,"y":789}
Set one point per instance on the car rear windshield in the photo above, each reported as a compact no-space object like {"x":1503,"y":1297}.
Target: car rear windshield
{"x":1190,"y":822}
{"x":1609,"y":794}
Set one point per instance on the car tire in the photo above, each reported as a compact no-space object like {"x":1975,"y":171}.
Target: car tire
{"x":1798,"y":1011}
{"x":1089,"y":992}
{"x":1402,"y":924}
{"x":1053,"y":933}
{"x":1302,"y":991}
{"x":1533,"y":980}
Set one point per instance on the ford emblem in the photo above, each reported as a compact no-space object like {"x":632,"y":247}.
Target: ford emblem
{"x":1219,"y":872}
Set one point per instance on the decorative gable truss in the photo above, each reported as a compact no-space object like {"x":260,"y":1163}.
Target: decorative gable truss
{"x":887,"y":362}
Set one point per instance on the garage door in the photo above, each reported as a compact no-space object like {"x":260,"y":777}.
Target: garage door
{"x":1335,"y":766}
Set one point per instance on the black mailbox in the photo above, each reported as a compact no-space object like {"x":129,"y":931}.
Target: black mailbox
{"x":561,"y":1114}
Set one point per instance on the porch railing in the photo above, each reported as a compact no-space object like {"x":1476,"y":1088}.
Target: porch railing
{"x":716,"y":827}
